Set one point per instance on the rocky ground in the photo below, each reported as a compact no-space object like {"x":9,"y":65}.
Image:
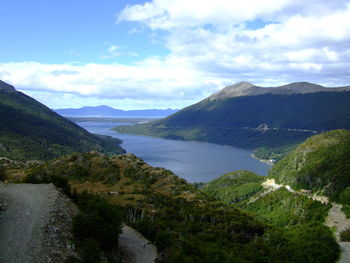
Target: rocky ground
{"x":34,"y":224}
{"x":135,"y":248}
{"x":336,"y":219}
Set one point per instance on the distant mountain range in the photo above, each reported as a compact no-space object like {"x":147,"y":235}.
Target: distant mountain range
{"x":29,"y":130}
{"x":248,"y":116}
{"x":106,"y":111}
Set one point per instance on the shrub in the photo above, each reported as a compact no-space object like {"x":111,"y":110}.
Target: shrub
{"x":98,"y":220}
{"x":90,"y":251}
{"x":345,"y":235}
{"x":37,"y":176}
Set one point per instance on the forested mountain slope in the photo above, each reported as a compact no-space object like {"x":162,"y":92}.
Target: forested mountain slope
{"x":184,"y":223}
{"x":321,"y":163}
{"x":30,"y":130}
{"x":307,"y":189}
{"x":253,"y":117}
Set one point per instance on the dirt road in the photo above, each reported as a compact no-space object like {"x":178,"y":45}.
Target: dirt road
{"x":336,"y":219}
{"x":136,"y":248}
{"x":34,"y":227}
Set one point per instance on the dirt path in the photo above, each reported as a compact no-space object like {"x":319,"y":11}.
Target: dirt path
{"x":337,"y":220}
{"x":34,"y":227}
{"x":269,"y":186}
{"x":136,"y":248}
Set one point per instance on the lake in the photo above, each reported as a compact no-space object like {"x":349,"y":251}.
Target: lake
{"x":193,"y":161}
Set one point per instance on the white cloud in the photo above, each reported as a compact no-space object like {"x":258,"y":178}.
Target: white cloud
{"x":295,"y":40}
{"x":169,"y":14}
{"x":152,"y":79}
{"x":211,"y":44}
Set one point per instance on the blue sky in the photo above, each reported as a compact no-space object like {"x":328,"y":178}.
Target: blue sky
{"x":63,"y":31}
{"x":168,"y":53}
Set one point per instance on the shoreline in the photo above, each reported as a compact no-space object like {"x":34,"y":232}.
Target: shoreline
{"x":269,"y":162}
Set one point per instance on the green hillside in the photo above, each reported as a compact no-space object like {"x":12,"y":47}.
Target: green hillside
{"x":185,"y":224}
{"x":280,"y":208}
{"x":321,"y":163}
{"x":29,"y":130}
{"x":268,"y":121}
{"x":234,"y":187}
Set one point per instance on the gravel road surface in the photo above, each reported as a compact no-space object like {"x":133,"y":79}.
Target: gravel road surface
{"x":34,"y":224}
{"x":136,"y":248}
{"x":337,"y":219}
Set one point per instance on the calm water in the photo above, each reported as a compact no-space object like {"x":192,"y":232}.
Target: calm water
{"x":193,"y":161}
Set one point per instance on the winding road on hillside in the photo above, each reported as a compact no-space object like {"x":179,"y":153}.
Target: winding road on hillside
{"x":336,"y":218}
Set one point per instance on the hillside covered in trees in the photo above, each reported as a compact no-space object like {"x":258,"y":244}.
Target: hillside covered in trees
{"x":269,"y":120}
{"x":185,"y":223}
{"x":307,"y":188}
{"x":29,"y":130}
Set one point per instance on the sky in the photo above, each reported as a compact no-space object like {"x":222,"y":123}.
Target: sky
{"x":168,"y":53}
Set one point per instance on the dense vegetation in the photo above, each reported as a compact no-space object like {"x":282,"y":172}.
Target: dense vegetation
{"x":273,"y":153}
{"x":188,"y":224}
{"x":184,"y":223}
{"x":282,"y":208}
{"x":321,"y":163}
{"x":234,"y":187}
{"x":298,"y":215}
{"x":30,"y":130}
{"x":96,"y":228}
{"x":234,"y":121}
{"x":279,"y":208}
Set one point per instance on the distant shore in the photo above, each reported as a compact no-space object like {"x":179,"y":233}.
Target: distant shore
{"x":269,"y":162}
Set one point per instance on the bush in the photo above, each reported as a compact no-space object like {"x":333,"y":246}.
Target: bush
{"x":344,"y":196}
{"x":38,"y":176}
{"x":312,"y":243}
{"x":90,"y":251}
{"x":346,"y":210}
{"x":345,"y":235}
{"x":98,"y":220}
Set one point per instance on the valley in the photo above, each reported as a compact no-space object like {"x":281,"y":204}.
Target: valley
{"x":270,"y":121}
{"x":119,"y":207}
{"x":193,"y":161}
{"x":174,"y":131}
{"x":31,"y":131}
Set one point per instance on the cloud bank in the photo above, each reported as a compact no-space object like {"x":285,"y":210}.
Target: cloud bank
{"x":211,"y":44}
{"x":292,"y":39}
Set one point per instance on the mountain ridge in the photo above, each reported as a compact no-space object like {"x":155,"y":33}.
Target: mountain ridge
{"x":270,"y":124}
{"x":30,"y":130}
{"x":248,"y":89}
{"x":4,"y":87}
{"x":107,"y":111}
